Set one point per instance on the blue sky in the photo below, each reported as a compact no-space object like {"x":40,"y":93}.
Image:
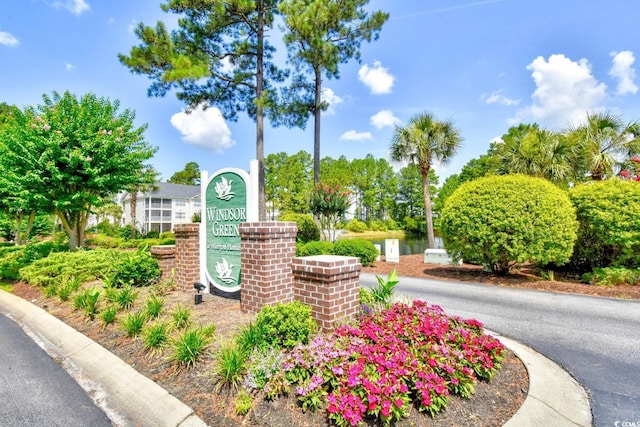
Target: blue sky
{"x":487,"y":65}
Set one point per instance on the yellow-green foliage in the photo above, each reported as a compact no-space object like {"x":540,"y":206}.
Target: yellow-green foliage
{"x":503,"y":220}
{"x":609,"y":233}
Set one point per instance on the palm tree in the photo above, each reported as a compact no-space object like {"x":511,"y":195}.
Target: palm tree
{"x":422,"y":141}
{"x":605,"y":142}
{"x":542,"y":153}
{"x":147,"y":182}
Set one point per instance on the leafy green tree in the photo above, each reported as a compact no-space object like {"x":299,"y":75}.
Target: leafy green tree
{"x":336,"y":171}
{"x":422,"y":141}
{"x":287,"y":182}
{"x":71,"y":153}
{"x":604,"y":142}
{"x":190,"y":175}
{"x":609,"y":233}
{"x":500,"y":221}
{"x":219,"y":55}
{"x":320,"y":35}
{"x":329,"y":203}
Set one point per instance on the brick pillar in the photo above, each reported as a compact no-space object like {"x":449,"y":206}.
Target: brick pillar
{"x":187,"y":255}
{"x":166,"y":256}
{"x":267,"y":249}
{"x":329,"y":284}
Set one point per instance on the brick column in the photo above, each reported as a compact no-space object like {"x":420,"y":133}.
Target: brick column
{"x":329,"y":284}
{"x":166,"y":256}
{"x":267,"y":249}
{"x":187,"y":254}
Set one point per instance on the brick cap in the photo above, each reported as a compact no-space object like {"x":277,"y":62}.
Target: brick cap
{"x":327,"y":260}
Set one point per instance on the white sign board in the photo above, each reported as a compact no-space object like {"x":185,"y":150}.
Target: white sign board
{"x":392,"y":250}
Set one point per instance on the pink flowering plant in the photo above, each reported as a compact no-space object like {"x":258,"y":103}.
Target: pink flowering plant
{"x":407,"y":355}
{"x":631,"y":169}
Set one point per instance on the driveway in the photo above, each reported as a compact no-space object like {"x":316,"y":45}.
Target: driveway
{"x":597,"y":340}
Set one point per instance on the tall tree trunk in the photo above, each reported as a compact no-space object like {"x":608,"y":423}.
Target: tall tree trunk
{"x":133,"y":200}
{"x":427,"y":206}
{"x":316,"y":126}
{"x":260,"y":113}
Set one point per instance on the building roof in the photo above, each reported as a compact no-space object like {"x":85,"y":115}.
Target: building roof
{"x":167,"y":190}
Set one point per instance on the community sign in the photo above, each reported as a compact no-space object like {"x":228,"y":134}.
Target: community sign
{"x":228,"y":202}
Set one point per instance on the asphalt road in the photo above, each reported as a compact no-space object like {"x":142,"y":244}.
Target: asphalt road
{"x":35,"y":390}
{"x":597,"y":340}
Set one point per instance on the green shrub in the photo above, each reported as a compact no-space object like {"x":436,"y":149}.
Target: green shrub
{"x":251,"y":337}
{"x":244,"y":402}
{"x":308,"y":230}
{"x":356,"y":226}
{"x":123,"y":297}
{"x":167,"y":235}
{"x":230,"y":367}
{"x":181,"y":316}
{"x":153,"y":234}
{"x":314,"y":248}
{"x":609,"y":232}
{"x":87,"y":301}
{"x":153,"y":306}
{"x":16,"y":259}
{"x":612,"y":276}
{"x":156,"y":336}
{"x":285,"y":325}
{"x":500,"y":221}
{"x":137,"y":269}
{"x":133,"y":323}
{"x":109,"y":315}
{"x":190,"y":345}
{"x":89,"y":264}
{"x":377,"y":225}
{"x":361,"y":248}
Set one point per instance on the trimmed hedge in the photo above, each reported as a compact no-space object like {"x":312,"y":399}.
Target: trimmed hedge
{"x":500,"y":221}
{"x":609,"y":232}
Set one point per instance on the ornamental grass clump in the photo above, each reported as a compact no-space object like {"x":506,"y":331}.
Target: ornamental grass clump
{"x":407,"y":355}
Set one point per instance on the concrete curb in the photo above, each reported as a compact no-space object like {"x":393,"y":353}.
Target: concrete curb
{"x":554,"y":397}
{"x":129,"y":398}
{"x":126,"y":396}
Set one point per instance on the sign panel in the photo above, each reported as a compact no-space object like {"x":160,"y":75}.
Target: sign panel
{"x":225,"y":209}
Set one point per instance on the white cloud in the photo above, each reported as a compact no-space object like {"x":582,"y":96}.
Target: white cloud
{"x":622,"y":70}
{"x":384,"y":118}
{"x":74,"y":6}
{"x":498,"y":98}
{"x":8,"y":39}
{"x":330,"y":98}
{"x":377,"y":78}
{"x":565,"y":91}
{"x":352,"y":135}
{"x":204,"y":128}
{"x":69,"y":66}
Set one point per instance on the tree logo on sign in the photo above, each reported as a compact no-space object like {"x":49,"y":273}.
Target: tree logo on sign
{"x":223,"y":189}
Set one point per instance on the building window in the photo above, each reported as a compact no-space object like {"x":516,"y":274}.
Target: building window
{"x":180,"y":215}
{"x":180,"y":202}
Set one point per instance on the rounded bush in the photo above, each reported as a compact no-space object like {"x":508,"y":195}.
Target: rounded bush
{"x":137,"y":269}
{"x":609,"y":232}
{"x":360,"y":248}
{"x":500,"y":221}
{"x":308,"y":230}
{"x":314,"y":248}
{"x":285,"y":325}
{"x":356,"y":226}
